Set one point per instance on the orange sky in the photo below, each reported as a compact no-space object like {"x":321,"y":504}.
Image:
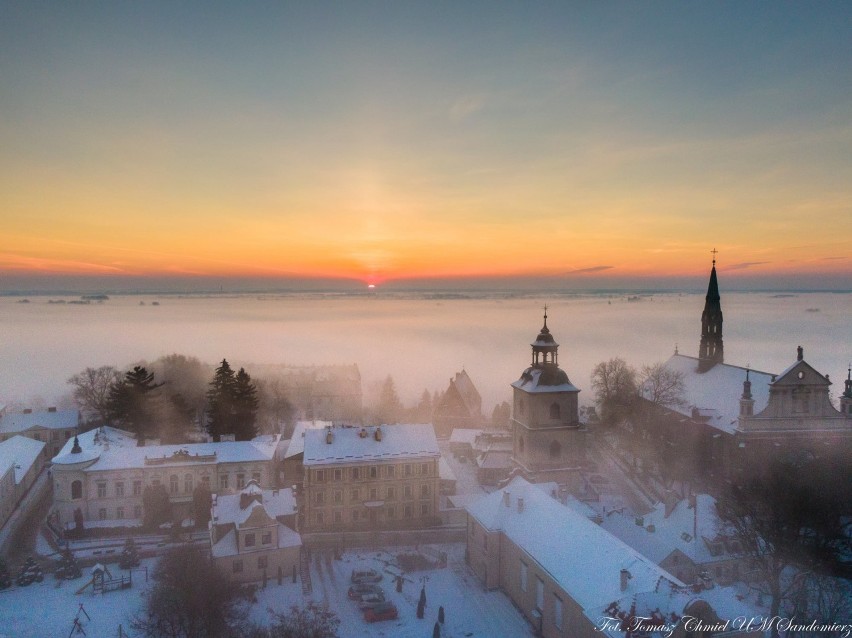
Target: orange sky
{"x":390,"y":146}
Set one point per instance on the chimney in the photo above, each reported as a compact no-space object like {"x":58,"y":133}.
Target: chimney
{"x":520,"y":505}
{"x":507,"y":498}
{"x":378,"y":434}
{"x":329,"y":437}
{"x":28,"y":410}
{"x":800,"y":353}
{"x":625,"y":579}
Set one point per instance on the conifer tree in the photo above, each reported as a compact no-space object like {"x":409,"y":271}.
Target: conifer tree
{"x":129,"y":555}
{"x":131,"y":402}
{"x":245,"y":404}
{"x":220,"y":401}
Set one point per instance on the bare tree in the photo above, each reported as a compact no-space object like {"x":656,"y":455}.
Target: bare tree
{"x":662,"y":386}
{"x":92,"y":389}
{"x":614,"y":384}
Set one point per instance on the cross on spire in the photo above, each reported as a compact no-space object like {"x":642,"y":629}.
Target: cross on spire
{"x":545,"y":315}
{"x":714,"y":251}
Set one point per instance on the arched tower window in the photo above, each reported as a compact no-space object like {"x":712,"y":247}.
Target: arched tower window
{"x":555,"y":412}
{"x":555,"y":450}
{"x":77,"y":489}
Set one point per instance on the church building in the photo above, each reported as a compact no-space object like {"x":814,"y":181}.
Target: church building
{"x":548,"y":437}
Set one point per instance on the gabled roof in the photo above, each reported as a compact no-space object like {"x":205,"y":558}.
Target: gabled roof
{"x":468,"y":392}
{"x":48,"y":419}
{"x":790,"y":376}
{"x":584,"y":559}
{"x":297,"y":441}
{"x":226,"y":508}
{"x":714,"y":396}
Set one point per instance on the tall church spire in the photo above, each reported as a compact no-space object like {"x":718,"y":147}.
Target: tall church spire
{"x":711,"y":349}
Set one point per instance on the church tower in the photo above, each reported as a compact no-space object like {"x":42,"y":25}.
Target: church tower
{"x":711,"y":349}
{"x":548,"y":438}
{"x":846,"y":398}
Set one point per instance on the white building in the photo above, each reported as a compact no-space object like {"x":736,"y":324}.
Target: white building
{"x":21,"y":461}
{"x":102,"y":473}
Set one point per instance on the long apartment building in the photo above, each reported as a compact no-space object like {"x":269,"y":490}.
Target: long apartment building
{"x":103,"y":473}
{"x":371,"y":478}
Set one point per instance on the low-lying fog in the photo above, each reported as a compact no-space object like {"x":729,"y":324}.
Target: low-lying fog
{"x":420,"y":342}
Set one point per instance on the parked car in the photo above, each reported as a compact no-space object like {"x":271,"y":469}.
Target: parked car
{"x":371,"y":600}
{"x":366,"y":576}
{"x":359,"y":589}
{"x":383,"y":611}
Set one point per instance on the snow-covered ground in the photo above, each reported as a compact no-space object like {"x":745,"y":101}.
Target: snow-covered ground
{"x":49,"y":608}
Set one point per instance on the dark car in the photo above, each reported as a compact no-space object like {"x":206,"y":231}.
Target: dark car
{"x":360,"y":589}
{"x":366,"y":576}
{"x":383,"y":611}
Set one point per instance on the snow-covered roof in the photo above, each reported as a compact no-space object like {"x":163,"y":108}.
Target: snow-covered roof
{"x":714,"y":396}
{"x":226,"y":508}
{"x":398,"y":442}
{"x":532,"y":381}
{"x":116,"y":449}
{"x":227,"y":545}
{"x":495,"y":460}
{"x":297,"y":441}
{"x":21,"y":452}
{"x":49,"y":419}
{"x":677,"y":531}
{"x":468,"y":392}
{"x":584,"y":559}
{"x":464,"y":435}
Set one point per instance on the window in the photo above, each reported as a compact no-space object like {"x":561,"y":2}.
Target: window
{"x":391,"y":512}
{"x":319,"y":518}
{"x":407,"y":512}
{"x":337,"y":516}
{"x":390,"y":471}
{"x":407,"y":469}
{"x":249,"y":540}
{"x":424,"y":509}
{"x":557,"y":611}
{"x":354,"y":495}
{"x":320,"y":476}
{"x":137,"y":511}
{"x":355,"y":473}
{"x":319,"y":498}
{"x":524,"y":575}
{"x":102,"y":513}
{"x":173,"y":484}
{"x":238,"y":566}
{"x":374,"y":471}
{"x":356,"y":516}
{"x":255,"y":476}
{"x":424,"y":469}
{"x":338,"y":475}
{"x":187,"y":483}
{"x":119,"y":513}
{"x":205,"y":480}
{"x":374,"y":493}
{"x":76,"y":489}
{"x":101,"y":489}
{"x":155,"y":481}
{"x":555,"y":450}
{"x":539,"y":594}
{"x":390,"y":494}
{"x":223,"y":481}
{"x":424,"y":490}
{"x":137,"y":488}
{"x":555,"y":411}
{"x":406,"y":491}
{"x":266,"y":538}
{"x":241,"y":481}
{"x":261,"y":562}
{"x":338,"y":496}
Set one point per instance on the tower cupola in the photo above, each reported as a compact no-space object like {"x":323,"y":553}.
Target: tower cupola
{"x":746,"y":400}
{"x":711,"y":348}
{"x":544,"y":348}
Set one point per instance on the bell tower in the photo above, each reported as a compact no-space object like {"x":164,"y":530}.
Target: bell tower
{"x":547,"y":436}
{"x":711,"y":348}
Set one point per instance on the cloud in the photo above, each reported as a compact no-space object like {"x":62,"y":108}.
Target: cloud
{"x":583,"y":271}
{"x":744,"y":265}
{"x":466,"y":106}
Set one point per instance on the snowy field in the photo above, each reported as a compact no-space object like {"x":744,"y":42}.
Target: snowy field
{"x":48,"y":608}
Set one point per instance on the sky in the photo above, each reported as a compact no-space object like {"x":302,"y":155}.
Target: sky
{"x":570,"y":144}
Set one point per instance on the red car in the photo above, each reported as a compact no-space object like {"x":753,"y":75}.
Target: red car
{"x":384,"y":611}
